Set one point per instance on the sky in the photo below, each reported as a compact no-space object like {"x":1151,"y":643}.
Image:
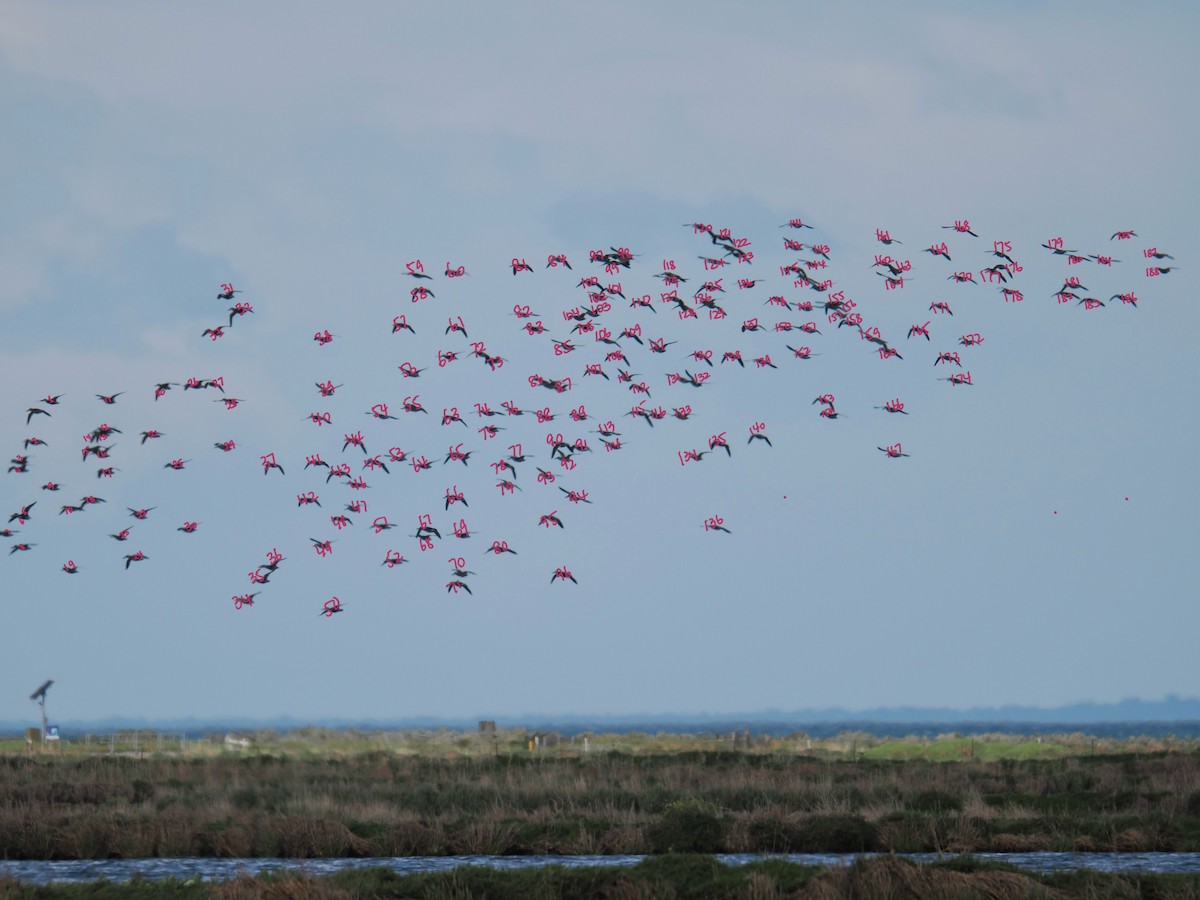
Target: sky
{"x":1033,"y":547}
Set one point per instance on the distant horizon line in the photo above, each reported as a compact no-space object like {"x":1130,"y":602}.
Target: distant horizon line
{"x":1171,"y":708}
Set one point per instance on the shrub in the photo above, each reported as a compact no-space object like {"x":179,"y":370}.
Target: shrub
{"x":837,"y":834}
{"x":684,"y":875}
{"x":775,"y":835}
{"x":687,"y":826}
{"x":935,"y":802}
{"x":142,"y":790}
{"x":245,"y":798}
{"x":1193,"y":803}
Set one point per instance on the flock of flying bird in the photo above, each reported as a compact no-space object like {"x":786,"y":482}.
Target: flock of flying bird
{"x":609,"y":334}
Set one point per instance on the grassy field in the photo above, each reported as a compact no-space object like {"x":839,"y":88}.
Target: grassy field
{"x":315,"y":793}
{"x":447,"y":743}
{"x":321,"y":742}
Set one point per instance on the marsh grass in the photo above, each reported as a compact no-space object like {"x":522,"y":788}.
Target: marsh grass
{"x":390,"y":799}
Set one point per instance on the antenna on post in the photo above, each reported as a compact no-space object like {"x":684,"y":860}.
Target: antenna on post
{"x":40,"y":696}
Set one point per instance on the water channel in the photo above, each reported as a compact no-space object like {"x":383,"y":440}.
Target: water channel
{"x":220,"y":869}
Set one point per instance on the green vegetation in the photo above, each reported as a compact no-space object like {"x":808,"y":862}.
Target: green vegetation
{"x":324,"y":742}
{"x":318,"y":793}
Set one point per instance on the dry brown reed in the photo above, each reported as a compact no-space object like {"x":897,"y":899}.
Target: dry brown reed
{"x":895,"y":878}
{"x":393,"y":803}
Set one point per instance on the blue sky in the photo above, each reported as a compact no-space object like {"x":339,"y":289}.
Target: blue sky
{"x":157,"y":151}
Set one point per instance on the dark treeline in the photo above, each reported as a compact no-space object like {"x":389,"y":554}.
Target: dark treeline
{"x":391,"y":804}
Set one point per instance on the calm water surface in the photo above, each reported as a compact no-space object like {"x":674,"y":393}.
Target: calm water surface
{"x":209,"y":869}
